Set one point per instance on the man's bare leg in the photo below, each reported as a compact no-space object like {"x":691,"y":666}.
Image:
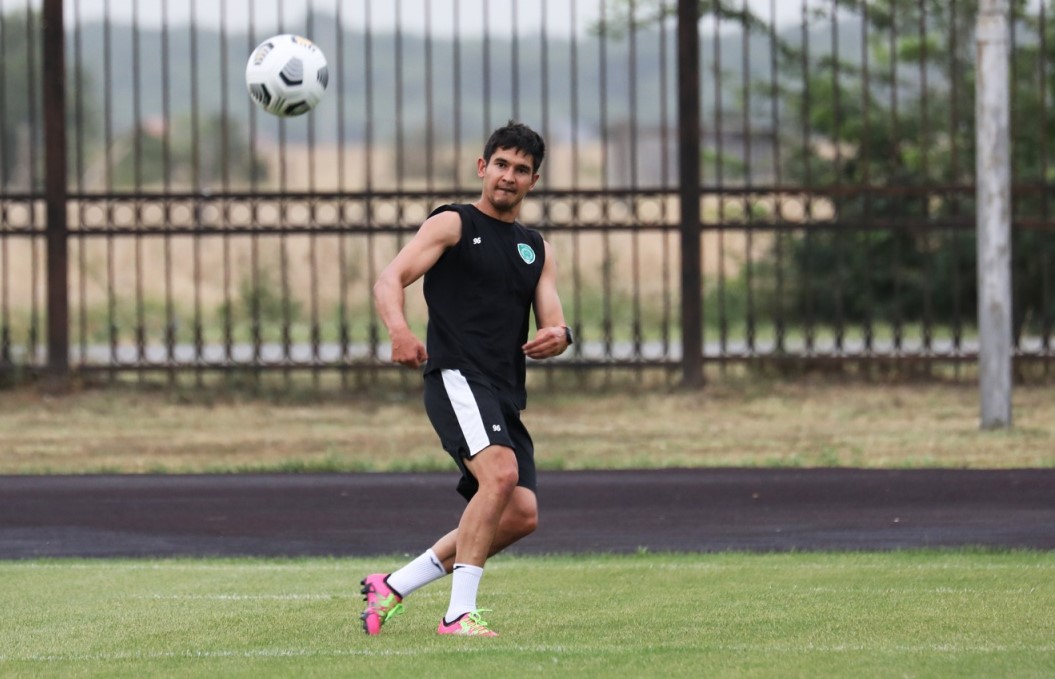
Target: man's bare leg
{"x":518,"y":521}
{"x":495,"y":470}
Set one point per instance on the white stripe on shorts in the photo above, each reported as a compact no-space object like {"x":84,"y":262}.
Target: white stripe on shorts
{"x":466,"y":410}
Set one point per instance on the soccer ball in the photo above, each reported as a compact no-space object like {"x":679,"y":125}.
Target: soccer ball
{"x":286,"y":75}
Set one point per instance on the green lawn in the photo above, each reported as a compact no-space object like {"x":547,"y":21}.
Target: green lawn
{"x":900,"y":614}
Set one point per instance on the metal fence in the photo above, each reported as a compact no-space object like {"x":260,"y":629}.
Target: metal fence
{"x":836,"y":219}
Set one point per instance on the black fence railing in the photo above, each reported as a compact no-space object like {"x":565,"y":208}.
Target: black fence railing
{"x":837,"y":216}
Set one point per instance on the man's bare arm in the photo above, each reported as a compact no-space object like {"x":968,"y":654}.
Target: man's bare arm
{"x":436,"y":235}
{"x":551,"y":338}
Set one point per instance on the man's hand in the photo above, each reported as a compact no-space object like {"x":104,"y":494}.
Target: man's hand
{"x":549,"y":342}
{"x":408,"y":350}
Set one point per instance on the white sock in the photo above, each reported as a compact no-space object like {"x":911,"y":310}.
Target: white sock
{"x":463,"y":590}
{"x":418,"y":573}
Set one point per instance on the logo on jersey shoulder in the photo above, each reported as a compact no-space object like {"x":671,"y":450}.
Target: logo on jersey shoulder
{"x":526,"y":253}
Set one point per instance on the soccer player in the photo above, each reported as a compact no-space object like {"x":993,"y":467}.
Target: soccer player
{"x":484,"y":272}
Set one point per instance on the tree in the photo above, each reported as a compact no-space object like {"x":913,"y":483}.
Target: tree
{"x":892,"y":127}
{"x":166,"y":155}
{"x":18,"y":96}
{"x":21,"y":104}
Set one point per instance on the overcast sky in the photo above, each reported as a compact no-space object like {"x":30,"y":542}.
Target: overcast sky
{"x":561,"y":16}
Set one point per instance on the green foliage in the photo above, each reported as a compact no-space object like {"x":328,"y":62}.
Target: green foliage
{"x":184,"y":156}
{"x":889,"y":131}
{"x":21,"y":102}
{"x":891,"y":124}
{"x":14,"y":88}
{"x":262,"y":303}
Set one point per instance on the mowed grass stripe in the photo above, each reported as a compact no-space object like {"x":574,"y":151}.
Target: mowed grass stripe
{"x":562,"y":650}
{"x":927,"y":613}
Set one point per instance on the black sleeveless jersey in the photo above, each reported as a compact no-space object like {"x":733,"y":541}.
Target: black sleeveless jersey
{"x":479,"y":294}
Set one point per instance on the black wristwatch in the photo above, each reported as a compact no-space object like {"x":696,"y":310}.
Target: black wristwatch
{"x":568,"y":336}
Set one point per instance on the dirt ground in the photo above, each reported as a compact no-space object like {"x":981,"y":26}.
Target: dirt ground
{"x":683,"y":510}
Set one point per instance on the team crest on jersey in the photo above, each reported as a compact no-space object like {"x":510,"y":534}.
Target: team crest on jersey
{"x":526,"y":253}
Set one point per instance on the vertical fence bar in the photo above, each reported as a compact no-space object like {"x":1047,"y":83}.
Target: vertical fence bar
{"x":141,"y":338}
{"x":315,"y":330}
{"x":806,"y":266}
{"x":255,"y":330}
{"x":927,"y":281}
{"x":544,"y":60}
{"x":137,"y":161}
{"x":1013,"y":125}
{"x":78,"y":130}
{"x":456,"y":88}
{"x":1045,"y":209}
{"x":865,"y":160}
{"x":3,"y":112}
{"x":665,"y":183}
{"x":368,"y":173}
{"x":953,"y":176}
{"x":5,"y":291}
{"x":718,"y":132}
{"x":32,"y":178}
{"x":576,"y":267}
{"x":32,"y":103}
{"x":748,"y":179}
{"x":839,"y":234}
{"x":166,"y":144}
{"x":5,"y":346}
{"x":430,"y":113}
{"x":689,"y":164}
{"x":227,"y":319}
{"x":897,"y":311}
{"x":632,"y":142}
{"x":515,"y":59}
{"x":202,"y":179}
{"x":544,"y":53}
{"x":112,"y":329}
{"x":55,"y":190}
{"x":343,"y":330}
{"x":486,"y":77}
{"x":606,"y":240}
{"x":283,"y":221}
{"x":779,"y":236}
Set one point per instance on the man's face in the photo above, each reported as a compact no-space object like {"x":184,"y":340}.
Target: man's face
{"x":508,"y":176}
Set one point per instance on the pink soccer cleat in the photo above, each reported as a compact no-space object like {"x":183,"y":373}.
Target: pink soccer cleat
{"x":467,"y":625}
{"x":382,"y":602}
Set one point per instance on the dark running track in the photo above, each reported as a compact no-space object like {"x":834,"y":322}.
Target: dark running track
{"x":699,"y":510}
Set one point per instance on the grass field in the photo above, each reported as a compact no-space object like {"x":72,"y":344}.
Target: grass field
{"x":733,"y":423}
{"x":907,"y":614}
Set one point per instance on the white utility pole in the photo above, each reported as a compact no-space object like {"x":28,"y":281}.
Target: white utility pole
{"x":993,"y":170}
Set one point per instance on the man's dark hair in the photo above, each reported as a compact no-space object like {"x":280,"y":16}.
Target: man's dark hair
{"x":520,"y":137}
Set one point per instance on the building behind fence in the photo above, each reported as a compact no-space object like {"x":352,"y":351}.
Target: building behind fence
{"x":837,"y":207}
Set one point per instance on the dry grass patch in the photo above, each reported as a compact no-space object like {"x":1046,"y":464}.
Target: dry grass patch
{"x":742,"y":424}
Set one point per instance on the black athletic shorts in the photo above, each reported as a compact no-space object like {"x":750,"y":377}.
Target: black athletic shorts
{"x":469,"y":414}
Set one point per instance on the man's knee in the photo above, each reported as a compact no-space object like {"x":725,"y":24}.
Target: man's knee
{"x":527,"y":523}
{"x":495,"y":469}
{"x":521,"y":516}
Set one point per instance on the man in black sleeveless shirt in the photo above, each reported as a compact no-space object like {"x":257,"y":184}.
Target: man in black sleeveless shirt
{"x":484,"y":272}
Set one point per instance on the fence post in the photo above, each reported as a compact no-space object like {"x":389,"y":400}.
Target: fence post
{"x":55,"y":190}
{"x":994,"y":214}
{"x":689,"y":176}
